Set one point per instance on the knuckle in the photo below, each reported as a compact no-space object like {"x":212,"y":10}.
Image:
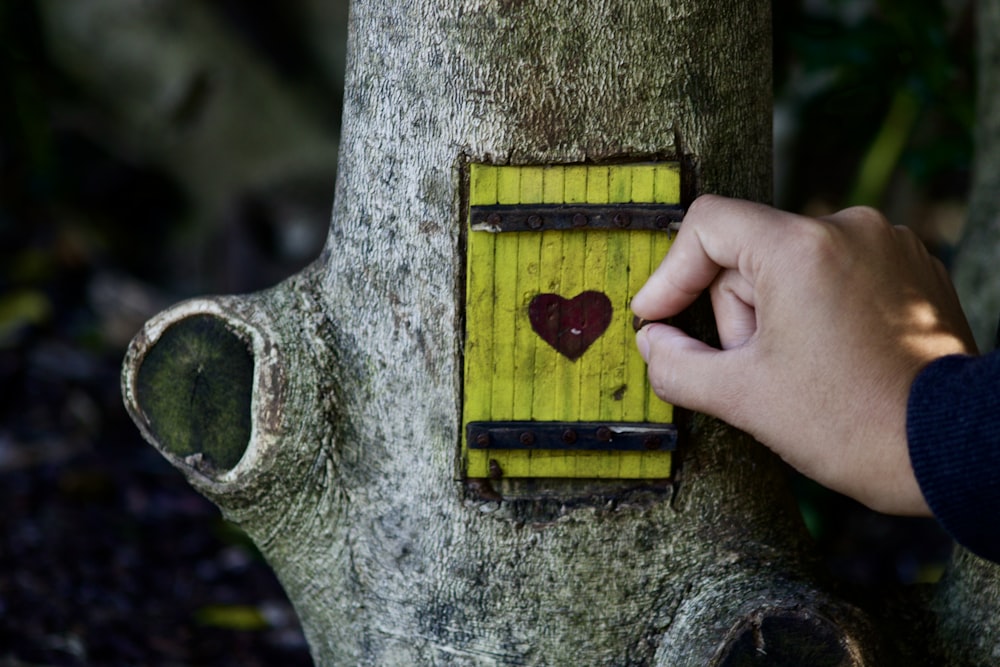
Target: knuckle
{"x":705,"y":206}
{"x":866,"y":215}
{"x":814,"y":238}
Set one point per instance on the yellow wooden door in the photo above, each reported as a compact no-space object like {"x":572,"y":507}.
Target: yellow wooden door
{"x":553,"y":385}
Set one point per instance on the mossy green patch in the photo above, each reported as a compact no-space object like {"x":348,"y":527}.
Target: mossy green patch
{"x":195,"y":386}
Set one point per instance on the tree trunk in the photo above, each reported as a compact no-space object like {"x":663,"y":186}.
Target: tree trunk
{"x":325,"y":416}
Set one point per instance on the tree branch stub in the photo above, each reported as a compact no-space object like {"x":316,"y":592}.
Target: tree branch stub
{"x":195,"y":386}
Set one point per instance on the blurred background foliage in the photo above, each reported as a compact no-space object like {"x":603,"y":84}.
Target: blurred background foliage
{"x":150,"y":151}
{"x":874,"y":104}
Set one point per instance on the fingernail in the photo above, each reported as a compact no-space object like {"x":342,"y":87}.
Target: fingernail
{"x":643,"y":344}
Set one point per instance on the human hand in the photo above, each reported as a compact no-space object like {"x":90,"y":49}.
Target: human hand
{"x":824,"y":324}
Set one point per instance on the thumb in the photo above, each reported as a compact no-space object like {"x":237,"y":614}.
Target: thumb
{"x":685,"y":371}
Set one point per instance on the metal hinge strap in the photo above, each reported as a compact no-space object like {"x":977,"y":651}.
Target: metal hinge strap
{"x":592,"y":436}
{"x":540,"y":217}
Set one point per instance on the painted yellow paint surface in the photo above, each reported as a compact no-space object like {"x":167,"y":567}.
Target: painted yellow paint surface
{"x":511,"y":373}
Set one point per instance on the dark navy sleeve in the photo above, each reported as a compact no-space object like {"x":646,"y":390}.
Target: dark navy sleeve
{"x":953,"y":430}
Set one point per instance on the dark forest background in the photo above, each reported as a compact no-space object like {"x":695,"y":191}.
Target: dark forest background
{"x":167,"y":149}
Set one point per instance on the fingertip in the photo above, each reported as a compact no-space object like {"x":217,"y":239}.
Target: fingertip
{"x":663,"y":339}
{"x":658,"y":343}
{"x":660,"y":297}
{"x":681,"y":368}
{"x":638,"y":303}
{"x":642,"y":343}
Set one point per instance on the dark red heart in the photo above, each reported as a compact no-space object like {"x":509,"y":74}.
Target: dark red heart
{"x":570,"y":325}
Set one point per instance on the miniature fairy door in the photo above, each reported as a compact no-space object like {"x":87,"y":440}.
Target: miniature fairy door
{"x":553,"y":384}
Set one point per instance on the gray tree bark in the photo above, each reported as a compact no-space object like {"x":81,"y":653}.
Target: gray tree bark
{"x":323,"y":416}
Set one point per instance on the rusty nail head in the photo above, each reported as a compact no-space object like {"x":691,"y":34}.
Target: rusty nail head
{"x":604,"y":434}
{"x":662,"y":221}
{"x":527,"y":438}
{"x":652,"y":442}
{"x":483,"y":439}
{"x":534,"y":221}
{"x":569,"y":436}
{"x":579,"y":220}
{"x":494,"y":219}
{"x":621,"y":219}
